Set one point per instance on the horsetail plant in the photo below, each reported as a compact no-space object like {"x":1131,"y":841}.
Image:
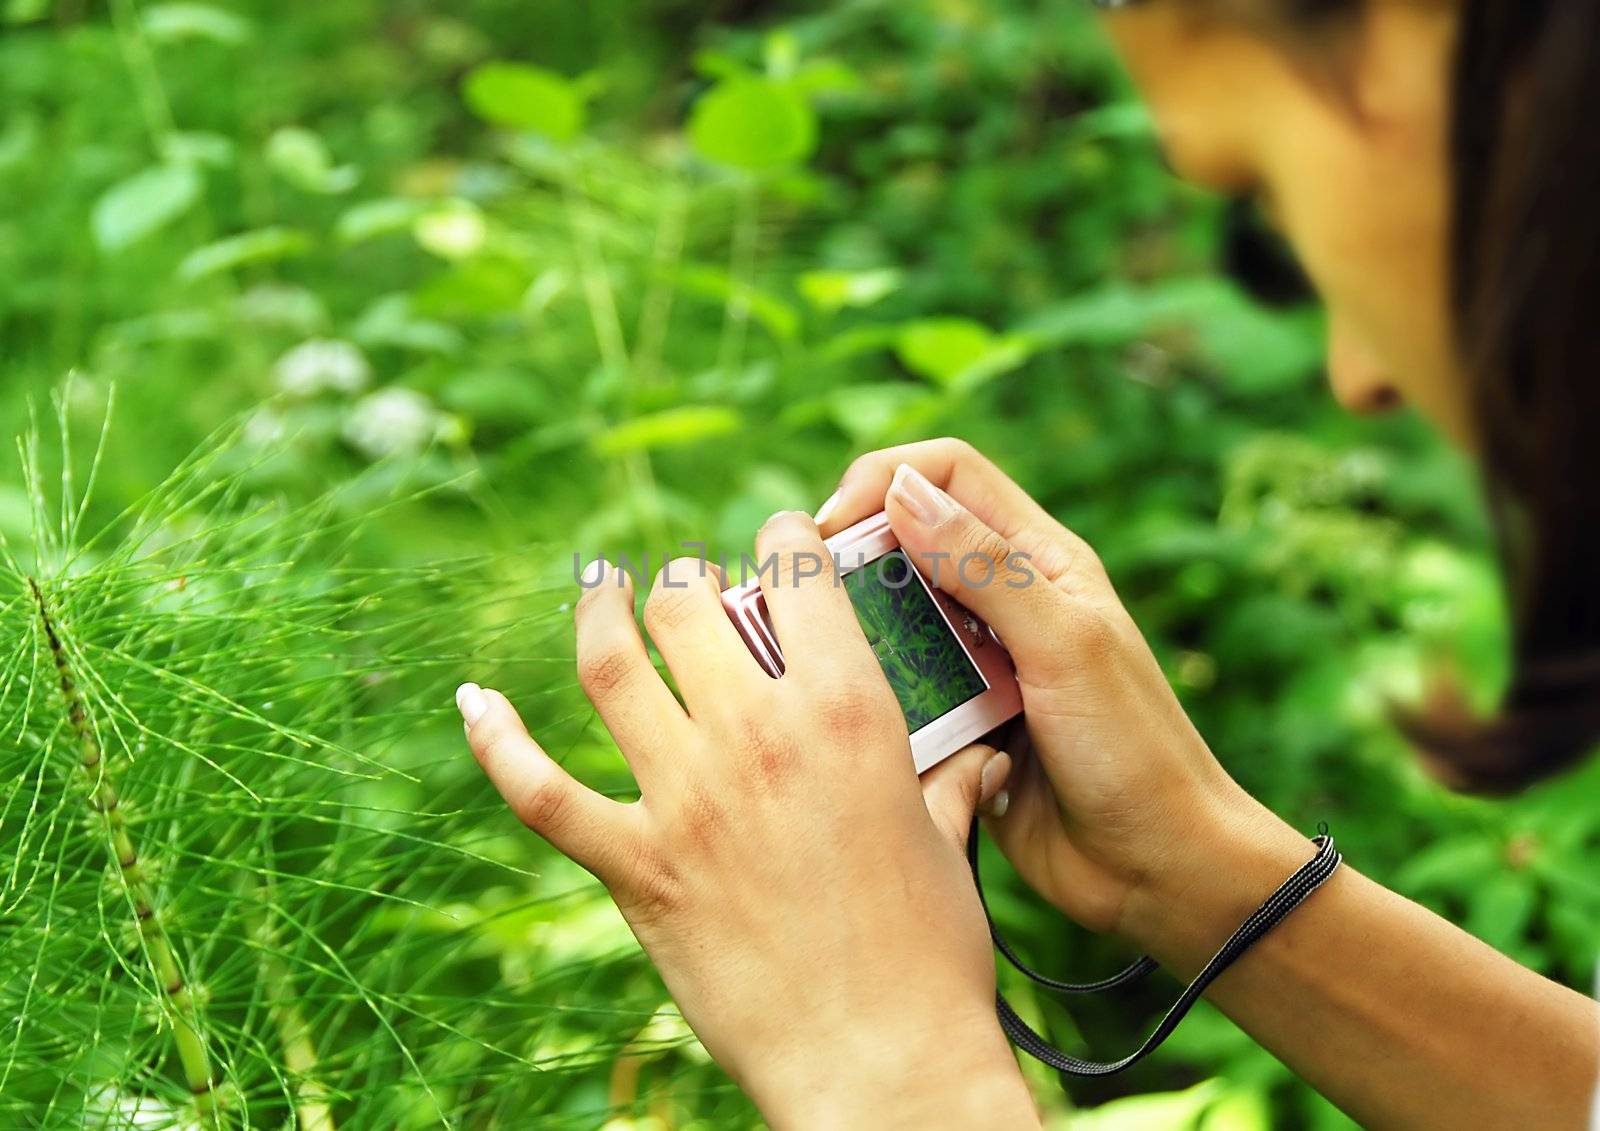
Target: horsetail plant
{"x":251,"y":877}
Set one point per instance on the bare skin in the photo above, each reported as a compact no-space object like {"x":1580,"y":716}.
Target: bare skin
{"x":1342,"y":139}
{"x":1124,"y":820}
{"x":815,"y":922}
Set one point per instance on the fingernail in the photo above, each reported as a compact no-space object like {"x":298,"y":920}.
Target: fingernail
{"x":780,"y":516}
{"x":993,"y":776}
{"x":471,"y":702}
{"x":1002,"y":801}
{"x":827,"y":508}
{"x":927,"y":504}
{"x":592,"y":574}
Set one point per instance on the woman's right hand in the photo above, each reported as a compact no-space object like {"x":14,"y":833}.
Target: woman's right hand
{"x":1105,"y":815}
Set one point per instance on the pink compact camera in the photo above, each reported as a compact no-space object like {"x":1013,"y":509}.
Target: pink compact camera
{"x":948,"y":669}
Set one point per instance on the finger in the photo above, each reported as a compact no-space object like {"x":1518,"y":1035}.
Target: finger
{"x":1033,"y":817}
{"x":958,"y":468}
{"x":616,"y":674}
{"x":962,"y":784}
{"x":972,"y":562}
{"x":709,"y":661}
{"x":811,"y":612}
{"x":598,"y":833}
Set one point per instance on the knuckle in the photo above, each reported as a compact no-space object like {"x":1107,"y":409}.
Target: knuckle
{"x":771,"y":755}
{"x":977,"y":541}
{"x":794,"y":569}
{"x":1091,"y":636}
{"x":1084,"y":558}
{"x":603,"y":670}
{"x":544,"y":807}
{"x":852,"y":709}
{"x":702,"y":817}
{"x":785,"y":533}
{"x":960,"y":451}
{"x":493,"y":744}
{"x":672,"y":600}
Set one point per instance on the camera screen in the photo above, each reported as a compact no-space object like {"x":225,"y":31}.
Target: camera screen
{"x":928,"y":668}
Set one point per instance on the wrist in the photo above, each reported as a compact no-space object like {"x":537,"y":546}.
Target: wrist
{"x":962,"y":1074}
{"x":1235,"y":855}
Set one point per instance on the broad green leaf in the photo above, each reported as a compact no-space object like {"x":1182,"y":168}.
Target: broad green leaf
{"x":859,"y":340}
{"x":867,"y":413}
{"x":264,"y":245}
{"x":454,"y":229}
{"x":1114,"y":120}
{"x":782,"y":54}
{"x":1501,"y":908}
{"x":526,"y":98}
{"x":719,"y":65}
{"x":196,"y":147}
{"x":391,"y":321}
{"x":832,"y":291}
{"x":1452,"y":864}
{"x":827,"y":77}
{"x":480,"y":286}
{"x":754,"y":124}
{"x":132,"y":209}
{"x":1252,"y":348}
{"x":781,"y":320}
{"x":301,"y":157}
{"x":26,"y":11}
{"x":373,"y":218}
{"x":168,"y":23}
{"x":958,"y":353}
{"x":672,"y":427}
{"x":503,"y":397}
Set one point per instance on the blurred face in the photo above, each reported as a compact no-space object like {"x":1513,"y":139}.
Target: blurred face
{"x":1342,"y":136}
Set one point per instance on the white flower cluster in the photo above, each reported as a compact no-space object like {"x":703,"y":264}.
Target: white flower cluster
{"x":391,"y":422}
{"x":322,"y":365}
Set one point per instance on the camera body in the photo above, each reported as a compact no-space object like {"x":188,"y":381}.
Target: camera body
{"x":952,"y":676}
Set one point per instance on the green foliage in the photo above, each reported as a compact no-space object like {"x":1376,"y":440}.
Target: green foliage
{"x":236,"y":896}
{"x":146,"y":201}
{"x":550,"y":280}
{"x":753,"y":123}
{"x":524,"y":97}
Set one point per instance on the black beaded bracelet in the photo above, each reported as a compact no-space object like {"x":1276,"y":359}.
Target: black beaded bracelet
{"x":1293,"y":892}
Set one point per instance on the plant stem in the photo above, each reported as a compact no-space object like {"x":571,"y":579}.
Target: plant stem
{"x":311,"y":1107}
{"x":613,"y":346}
{"x":656,"y":312}
{"x":741,"y":279}
{"x":177,"y":999}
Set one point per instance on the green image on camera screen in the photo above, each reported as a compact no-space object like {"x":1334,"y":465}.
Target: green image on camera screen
{"x":930,"y":672}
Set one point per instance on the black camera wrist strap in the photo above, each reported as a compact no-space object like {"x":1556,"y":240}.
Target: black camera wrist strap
{"x":1293,"y":892}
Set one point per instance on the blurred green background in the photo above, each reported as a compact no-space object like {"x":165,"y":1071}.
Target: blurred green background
{"x":612,"y":274}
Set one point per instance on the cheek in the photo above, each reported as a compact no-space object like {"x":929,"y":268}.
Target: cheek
{"x":1369,"y":218}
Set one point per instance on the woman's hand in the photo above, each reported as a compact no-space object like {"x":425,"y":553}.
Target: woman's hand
{"x":1102,"y":818}
{"x":814,"y":922}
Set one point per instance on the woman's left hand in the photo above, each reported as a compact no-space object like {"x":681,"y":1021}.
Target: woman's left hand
{"x":809,"y":909}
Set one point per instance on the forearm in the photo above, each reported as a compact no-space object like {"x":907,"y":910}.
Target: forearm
{"x":1398,"y":1017}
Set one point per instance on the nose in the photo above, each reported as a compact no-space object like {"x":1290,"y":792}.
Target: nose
{"x":1360,"y":382}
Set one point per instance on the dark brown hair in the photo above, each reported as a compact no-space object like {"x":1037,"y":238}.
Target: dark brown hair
{"x":1525,"y":296}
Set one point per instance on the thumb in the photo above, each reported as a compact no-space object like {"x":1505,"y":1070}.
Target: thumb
{"x":964,"y":557}
{"x":962,"y":784}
